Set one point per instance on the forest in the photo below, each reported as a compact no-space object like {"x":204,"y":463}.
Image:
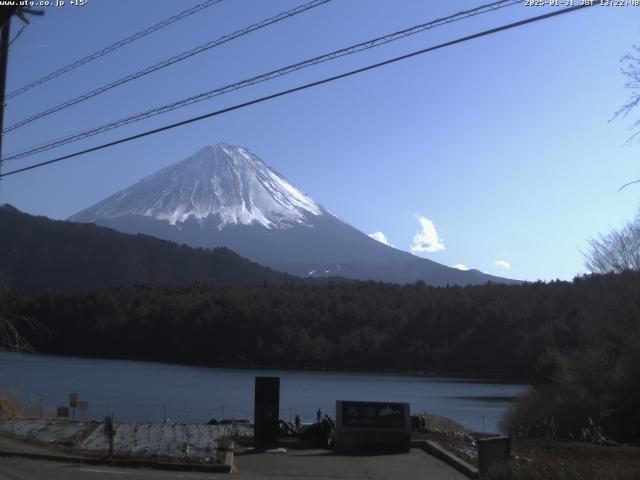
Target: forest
{"x":490,"y":330}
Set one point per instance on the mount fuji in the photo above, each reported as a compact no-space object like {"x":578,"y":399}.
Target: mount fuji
{"x":224,"y":195}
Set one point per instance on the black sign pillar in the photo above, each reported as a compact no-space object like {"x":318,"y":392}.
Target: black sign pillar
{"x":266,"y":412}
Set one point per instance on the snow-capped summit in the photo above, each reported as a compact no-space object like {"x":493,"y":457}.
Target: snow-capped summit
{"x":224,"y":182}
{"x":226,"y":196}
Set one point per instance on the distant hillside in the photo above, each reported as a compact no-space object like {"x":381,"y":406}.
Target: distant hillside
{"x":37,"y":253}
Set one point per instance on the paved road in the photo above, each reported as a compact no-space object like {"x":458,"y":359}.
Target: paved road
{"x":24,"y":469}
{"x":314,"y":464}
{"x":321,"y":465}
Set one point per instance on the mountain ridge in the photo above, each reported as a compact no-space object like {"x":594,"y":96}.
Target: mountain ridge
{"x":38,"y":253}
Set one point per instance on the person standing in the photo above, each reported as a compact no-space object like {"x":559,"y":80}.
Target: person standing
{"x":318,"y":416}
{"x":297,"y":423}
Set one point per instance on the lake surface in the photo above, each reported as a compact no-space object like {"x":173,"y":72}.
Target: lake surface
{"x":152,"y":391}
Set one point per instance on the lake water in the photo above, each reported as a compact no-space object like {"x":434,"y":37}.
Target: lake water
{"x":152,"y":391}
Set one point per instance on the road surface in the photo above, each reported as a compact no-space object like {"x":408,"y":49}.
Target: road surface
{"x":313,"y":464}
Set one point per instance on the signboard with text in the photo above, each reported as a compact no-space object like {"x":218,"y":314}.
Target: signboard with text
{"x":83,"y":406}
{"x":373,"y":414}
{"x":372,"y":426}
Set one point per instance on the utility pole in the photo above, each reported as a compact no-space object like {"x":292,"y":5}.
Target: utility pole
{"x":4,"y":56}
{"x":6,"y":13}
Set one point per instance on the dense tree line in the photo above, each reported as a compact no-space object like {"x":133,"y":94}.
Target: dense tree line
{"x":485,"y":330}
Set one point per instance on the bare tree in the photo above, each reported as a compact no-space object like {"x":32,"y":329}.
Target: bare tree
{"x":617,"y":251}
{"x":631,"y":70}
{"x":11,"y":326}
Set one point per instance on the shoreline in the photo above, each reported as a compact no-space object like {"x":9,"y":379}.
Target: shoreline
{"x":460,"y":377}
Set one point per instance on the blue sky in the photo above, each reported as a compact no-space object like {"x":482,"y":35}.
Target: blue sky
{"x":496,"y":154}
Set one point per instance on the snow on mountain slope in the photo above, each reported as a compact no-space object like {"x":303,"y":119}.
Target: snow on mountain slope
{"x":222,"y":181}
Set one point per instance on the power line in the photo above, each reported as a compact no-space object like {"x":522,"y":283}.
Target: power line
{"x":369,"y":44}
{"x":15,"y":37}
{"x":111,"y":48}
{"x":303,"y":87}
{"x":170,"y":61}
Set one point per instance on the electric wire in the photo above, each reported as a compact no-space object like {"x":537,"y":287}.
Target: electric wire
{"x":170,"y":61}
{"x":303,"y":87}
{"x":17,"y":35}
{"x":353,"y":49}
{"x":111,"y":48}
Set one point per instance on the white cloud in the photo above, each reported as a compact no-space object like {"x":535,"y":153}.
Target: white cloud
{"x":381,"y":237}
{"x":460,"y":266}
{"x":426,"y":240}
{"x":502,"y":264}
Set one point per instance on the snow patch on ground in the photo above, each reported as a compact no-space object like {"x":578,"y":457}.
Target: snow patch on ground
{"x":174,"y":440}
{"x":43,"y":430}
